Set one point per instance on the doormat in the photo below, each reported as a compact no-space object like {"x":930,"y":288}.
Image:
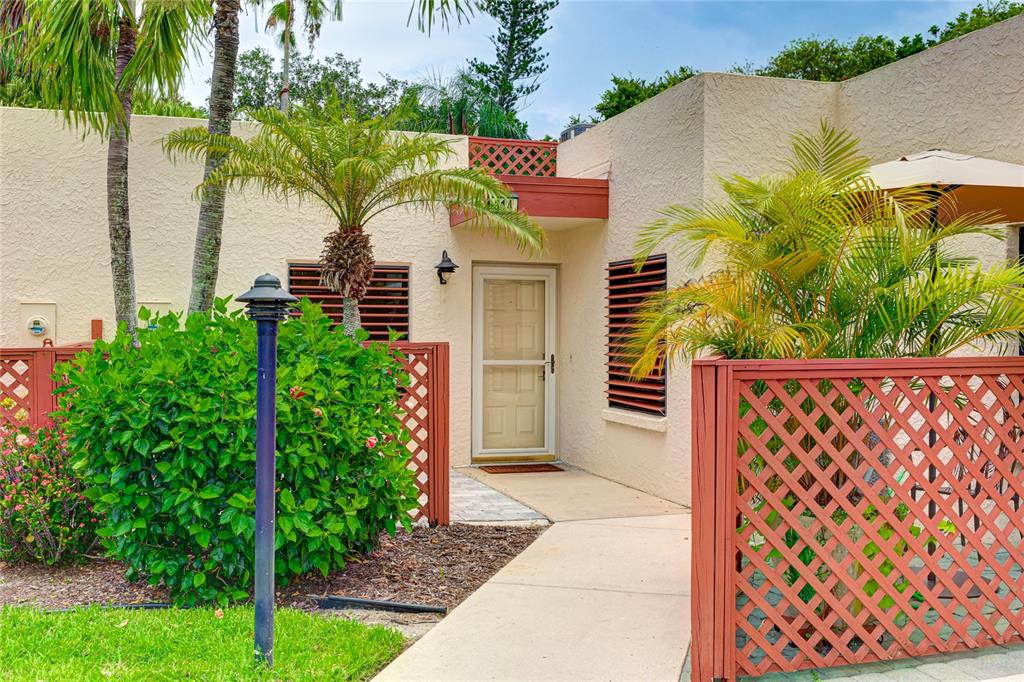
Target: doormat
{"x":520,"y":468}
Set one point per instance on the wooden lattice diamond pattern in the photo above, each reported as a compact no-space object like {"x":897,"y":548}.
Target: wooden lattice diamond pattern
{"x":415,"y":405}
{"x":877,"y":518}
{"x":513,"y":157}
{"x":15,"y":397}
{"x":25,"y":376}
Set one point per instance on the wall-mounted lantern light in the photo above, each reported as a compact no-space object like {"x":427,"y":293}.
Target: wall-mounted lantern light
{"x":445,"y":268}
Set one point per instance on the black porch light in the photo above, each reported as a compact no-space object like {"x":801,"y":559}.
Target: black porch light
{"x":445,"y":268}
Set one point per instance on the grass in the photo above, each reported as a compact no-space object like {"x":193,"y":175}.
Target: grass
{"x":110,"y":644}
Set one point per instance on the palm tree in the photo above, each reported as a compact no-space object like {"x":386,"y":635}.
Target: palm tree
{"x":356,"y":170}
{"x":821,"y":263}
{"x":282,"y":16}
{"x":461,"y":106}
{"x":90,"y":56}
{"x":206,"y":256}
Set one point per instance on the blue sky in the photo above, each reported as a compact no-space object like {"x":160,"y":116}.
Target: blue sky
{"x":592,"y":39}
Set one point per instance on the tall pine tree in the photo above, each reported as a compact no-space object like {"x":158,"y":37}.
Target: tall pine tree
{"x":519,"y":62}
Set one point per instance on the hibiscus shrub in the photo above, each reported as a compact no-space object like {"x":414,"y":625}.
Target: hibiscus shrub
{"x":44,"y":516}
{"x":164,"y":433}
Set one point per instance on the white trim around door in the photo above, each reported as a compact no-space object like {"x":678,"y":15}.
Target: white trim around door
{"x":545,"y":366}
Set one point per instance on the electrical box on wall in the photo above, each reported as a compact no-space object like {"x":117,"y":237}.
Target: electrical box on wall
{"x":37,"y":323}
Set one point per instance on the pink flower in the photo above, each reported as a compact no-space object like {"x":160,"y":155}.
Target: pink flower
{"x":371,"y":442}
{"x":318,"y":412}
{"x":296,"y":392}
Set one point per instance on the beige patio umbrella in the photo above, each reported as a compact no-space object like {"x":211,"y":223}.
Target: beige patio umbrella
{"x":967,"y":184}
{"x":973,"y":184}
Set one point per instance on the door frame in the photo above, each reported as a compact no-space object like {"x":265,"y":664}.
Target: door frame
{"x":548,"y":275}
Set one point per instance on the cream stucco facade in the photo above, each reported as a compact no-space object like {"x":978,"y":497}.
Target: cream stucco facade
{"x":966,"y":95}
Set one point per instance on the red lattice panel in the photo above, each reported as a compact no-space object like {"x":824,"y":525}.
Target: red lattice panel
{"x":513,"y":157}
{"x":863,"y":511}
{"x":15,"y":387}
{"x":425,"y":417}
{"x":26,"y":378}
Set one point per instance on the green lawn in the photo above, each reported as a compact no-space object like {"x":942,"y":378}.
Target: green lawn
{"x":99,"y":644}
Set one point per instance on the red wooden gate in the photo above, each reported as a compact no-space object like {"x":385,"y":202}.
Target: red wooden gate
{"x":26,"y":396}
{"x":849,"y":511}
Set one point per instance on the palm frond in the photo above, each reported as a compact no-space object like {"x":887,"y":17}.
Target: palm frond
{"x":427,"y":12}
{"x":822,"y":263}
{"x":357,"y":170}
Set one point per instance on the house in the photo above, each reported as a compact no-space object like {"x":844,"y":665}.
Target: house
{"x":531,"y":374}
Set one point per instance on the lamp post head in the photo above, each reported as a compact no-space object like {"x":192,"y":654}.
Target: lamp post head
{"x":445,"y":268}
{"x":267,"y":300}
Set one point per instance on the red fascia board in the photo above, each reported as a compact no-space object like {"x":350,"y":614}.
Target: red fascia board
{"x":544,"y":197}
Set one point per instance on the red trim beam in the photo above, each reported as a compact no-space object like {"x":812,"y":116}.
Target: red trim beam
{"x":541,"y":197}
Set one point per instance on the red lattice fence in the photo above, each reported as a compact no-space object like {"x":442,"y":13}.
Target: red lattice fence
{"x":513,"y":157}
{"x":850,"y":511}
{"x":26,"y":379}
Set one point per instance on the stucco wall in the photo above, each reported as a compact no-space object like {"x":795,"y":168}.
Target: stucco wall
{"x":655,"y":152}
{"x":965,"y":95}
{"x":670,"y":149}
{"x":54,"y":244}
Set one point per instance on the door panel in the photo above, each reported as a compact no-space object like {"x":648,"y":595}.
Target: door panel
{"x":513,"y":407}
{"x":513,"y":392}
{"x":513,"y":325}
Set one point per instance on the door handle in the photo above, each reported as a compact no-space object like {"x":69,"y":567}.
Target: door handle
{"x":551,"y":363}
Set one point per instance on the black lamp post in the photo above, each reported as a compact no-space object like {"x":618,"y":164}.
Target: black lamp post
{"x":445,"y":268}
{"x":267,"y":304}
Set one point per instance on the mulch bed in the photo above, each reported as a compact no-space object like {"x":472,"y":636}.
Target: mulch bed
{"x":437,"y":566}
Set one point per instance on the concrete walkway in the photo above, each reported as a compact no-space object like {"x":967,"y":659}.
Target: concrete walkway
{"x":603,"y":594}
{"x":574,"y":495}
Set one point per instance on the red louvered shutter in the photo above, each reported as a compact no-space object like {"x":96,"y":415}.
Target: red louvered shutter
{"x":385,"y":305}
{"x":628,"y":288}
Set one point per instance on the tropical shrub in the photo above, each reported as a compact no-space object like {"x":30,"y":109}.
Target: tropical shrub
{"x":44,"y":515}
{"x":165,"y":429}
{"x":818,"y":262}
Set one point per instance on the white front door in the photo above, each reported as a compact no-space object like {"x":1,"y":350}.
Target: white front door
{"x":513,"y":361}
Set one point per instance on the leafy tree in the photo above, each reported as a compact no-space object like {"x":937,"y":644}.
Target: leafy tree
{"x":148,"y":104}
{"x":819,"y":263}
{"x":460,"y":105}
{"x":627,"y":92}
{"x":979,"y":16}
{"x":355,"y":170}
{"x":518,"y":61}
{"x":314,"y":82}
{"x":830,"y":60}
{"x":89,"y":59}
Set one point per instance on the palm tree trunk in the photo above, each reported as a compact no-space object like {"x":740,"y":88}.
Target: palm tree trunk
{"x":206,"y":256}
{"x":121,"y":265}
{"x":350,"y":320}
{"x":286,"y":60}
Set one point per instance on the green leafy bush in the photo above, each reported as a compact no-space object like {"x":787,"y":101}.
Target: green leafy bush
{"x":164,"y":434}
{"x":44,"y":517}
